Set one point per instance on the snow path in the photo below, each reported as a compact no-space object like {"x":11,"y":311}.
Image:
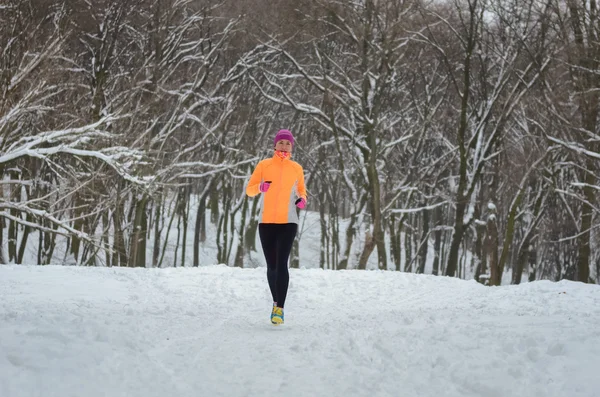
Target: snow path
{"x":73,"y":331}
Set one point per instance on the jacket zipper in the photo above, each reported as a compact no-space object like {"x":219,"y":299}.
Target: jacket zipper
{"x":279,"y":188}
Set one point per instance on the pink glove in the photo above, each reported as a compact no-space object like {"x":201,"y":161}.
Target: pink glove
{"x":264,"y":186}
{"x":301,"y":203}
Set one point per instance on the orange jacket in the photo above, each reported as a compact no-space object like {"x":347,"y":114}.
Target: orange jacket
{"x":287,"y":185}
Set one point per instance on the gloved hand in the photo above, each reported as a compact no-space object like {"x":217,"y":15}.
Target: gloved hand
{"x":301,"y":203}
{"x":264,"y":186}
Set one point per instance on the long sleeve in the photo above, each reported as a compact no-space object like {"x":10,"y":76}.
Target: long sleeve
{"x":252,"y":189}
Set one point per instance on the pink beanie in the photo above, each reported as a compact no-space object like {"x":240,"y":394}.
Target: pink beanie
{"x":284,"y":134}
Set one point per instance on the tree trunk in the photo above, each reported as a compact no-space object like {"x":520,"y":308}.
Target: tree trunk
{"x":522,"y":259}
{"x":457,"y":236}
{"x":462,"y":198}
{"x":119,"y":250}
{"x":24,"y":239}
{"x":583,"y":263}
{"x":220,"y":244}
{"x":2,"y":226}
{"x":166,"y":239}
{"x":437,"y":240}
{"x":350,"y":231}
{"x":424,"y":242}
{"x":395,"y":242}
{"x":367,"y":250}
{"x":49,"y":245}
{"x":158,"y":213}
{"x":40,"y":247}
{"x":478,"y":252}
{"x":238,"y":260}
{"x":105,"y":239}
{"x":137,"y":250}
{"x":77,"y":225}
{"x":532,"y":262}
{"x":178,"y":239}
{"x":597,"y":270}
{"x":199,"y":229}
{"x":377,"y":236}
{"x":185,"y":207}
{"x":324,"y":235}
{"x":13,"y":227}
{"x":492,"y":249}
{"x":584,"y":24}
{"x":250,"y":235}
{"x":223,"y":238}
{"x":294,"y":257}
{"x":12,"y":238}
{"x":408,"y":250}
{"x":335,"y":237}
{"x":214,"y":206}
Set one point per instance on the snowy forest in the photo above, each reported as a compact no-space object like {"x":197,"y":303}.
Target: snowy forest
{"x":460,"y":133}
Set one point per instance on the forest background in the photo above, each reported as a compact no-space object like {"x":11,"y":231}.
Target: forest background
{"x":454,"y":137}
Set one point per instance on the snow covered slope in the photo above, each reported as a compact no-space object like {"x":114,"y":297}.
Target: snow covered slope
{"x":73,"y":331}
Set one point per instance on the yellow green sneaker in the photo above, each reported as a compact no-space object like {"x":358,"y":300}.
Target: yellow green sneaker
{"x":277,"y":315}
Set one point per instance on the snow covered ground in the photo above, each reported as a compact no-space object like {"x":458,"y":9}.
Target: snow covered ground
{"x":74,"y":331}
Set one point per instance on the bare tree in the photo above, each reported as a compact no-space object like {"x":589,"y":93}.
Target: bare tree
{"x":578,"y":27}
{"x":489,"y":79}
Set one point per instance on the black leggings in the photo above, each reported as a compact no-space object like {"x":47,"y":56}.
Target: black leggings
{"x":277,"y":240}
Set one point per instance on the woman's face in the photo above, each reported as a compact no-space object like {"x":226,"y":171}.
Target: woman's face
{"x":284,"y":145}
